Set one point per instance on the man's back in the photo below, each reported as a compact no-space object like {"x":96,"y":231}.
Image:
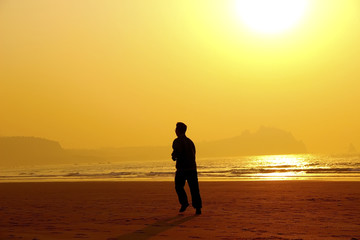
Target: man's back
{"x":184,"y":153}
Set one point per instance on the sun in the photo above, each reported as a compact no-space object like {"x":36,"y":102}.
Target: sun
{"x":271,"y":16}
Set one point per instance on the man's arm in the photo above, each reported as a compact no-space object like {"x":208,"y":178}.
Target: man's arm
{"x":175,"y":153}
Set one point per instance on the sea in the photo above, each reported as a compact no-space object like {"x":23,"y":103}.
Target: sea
{"x":340,"y":167}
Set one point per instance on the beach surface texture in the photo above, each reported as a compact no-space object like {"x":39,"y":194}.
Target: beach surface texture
{"x":149,"y":210}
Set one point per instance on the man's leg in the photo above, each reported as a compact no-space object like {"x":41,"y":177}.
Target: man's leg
{"x":179,"y":187}
{"x":194,"y":189}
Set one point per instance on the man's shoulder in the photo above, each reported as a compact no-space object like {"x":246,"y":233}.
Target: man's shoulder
{"x":188,"y":139}
{"x":182,"y":139}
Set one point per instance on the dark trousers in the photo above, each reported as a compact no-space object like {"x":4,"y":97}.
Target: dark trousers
{"x":191,"y":176}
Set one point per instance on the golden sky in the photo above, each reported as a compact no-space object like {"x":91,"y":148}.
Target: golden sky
{"x":121,"y":73}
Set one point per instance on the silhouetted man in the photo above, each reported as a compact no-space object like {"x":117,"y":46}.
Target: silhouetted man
{"x":184,"y":155}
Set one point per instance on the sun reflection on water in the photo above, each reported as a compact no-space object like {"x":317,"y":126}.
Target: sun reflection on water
{"x":280,"y":167}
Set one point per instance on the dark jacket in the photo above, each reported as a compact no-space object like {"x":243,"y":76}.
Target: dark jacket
{"x":184,"y":153}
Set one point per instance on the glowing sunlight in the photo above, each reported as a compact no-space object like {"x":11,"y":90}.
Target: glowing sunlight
{"x":271,"y":16}
{"x":282,"y":167}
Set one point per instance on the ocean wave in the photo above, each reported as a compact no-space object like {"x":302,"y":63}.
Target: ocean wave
{"x":311,"y":165}
{"x":210,"y":173}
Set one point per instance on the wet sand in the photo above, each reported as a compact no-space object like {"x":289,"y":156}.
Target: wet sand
{"x":149,"y":210}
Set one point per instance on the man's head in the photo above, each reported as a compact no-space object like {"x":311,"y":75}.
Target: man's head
{"x":180,"y":129}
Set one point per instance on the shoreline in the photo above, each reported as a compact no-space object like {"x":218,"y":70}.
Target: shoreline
{"x":207,"y":179}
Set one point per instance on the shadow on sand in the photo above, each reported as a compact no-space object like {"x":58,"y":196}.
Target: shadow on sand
{"x":155,"y":228}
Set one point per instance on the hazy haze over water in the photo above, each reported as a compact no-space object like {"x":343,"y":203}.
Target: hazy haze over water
{"x":93,"y":74}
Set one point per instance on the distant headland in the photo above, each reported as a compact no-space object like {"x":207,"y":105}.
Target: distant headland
{"x":21,"y":151}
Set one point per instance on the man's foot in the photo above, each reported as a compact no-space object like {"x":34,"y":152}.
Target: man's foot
{"x":198,"y":211}
{"x":183,"y":208}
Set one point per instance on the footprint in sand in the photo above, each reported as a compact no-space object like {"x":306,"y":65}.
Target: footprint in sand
{"x":80,"y":235}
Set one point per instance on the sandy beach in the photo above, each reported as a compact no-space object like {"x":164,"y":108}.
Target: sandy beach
{"x":149,"y":210}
